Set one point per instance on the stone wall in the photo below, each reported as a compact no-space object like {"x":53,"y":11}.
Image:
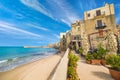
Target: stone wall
{"x":61,"y":70}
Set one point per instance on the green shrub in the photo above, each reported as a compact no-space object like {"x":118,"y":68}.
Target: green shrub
{"x":72,"y":64}
{"x":88,"y":56}
{"x":72,"y":73}
{"x":72,"y":59}
{"x":101,"y":52}
{"x":114,"y":61}
{"x":80,"y":50}
{"x":96,"y":56}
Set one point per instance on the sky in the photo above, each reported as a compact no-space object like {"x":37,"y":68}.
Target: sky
{"x":39,"y":22}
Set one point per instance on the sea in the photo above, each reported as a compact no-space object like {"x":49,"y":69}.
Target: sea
{"x":12,"y":57}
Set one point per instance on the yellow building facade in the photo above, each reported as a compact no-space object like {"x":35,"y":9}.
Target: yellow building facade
{"x":96,"y":24}
{"x":100,"y":18}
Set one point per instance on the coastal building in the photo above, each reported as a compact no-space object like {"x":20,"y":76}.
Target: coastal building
{"x":55,"y":45}
{"x":99,"y":19}
{"x":118,"y":30}
{"x":62,"y":41}
{"x":98,"y":22}
{"x":68,"y":38}
{"x":96,"y":25}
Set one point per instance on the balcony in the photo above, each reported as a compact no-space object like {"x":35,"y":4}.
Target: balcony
{"x":99,"y":16}
{"x":100,"y":27}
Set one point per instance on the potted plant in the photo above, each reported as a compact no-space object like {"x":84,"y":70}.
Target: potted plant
{"x":96,"y":58}
{"x":114,"y":62}
{"x":102,"y":52}
{"x":88,"y":58}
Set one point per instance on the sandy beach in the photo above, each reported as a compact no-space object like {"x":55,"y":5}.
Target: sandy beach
{"x":37,"y":70}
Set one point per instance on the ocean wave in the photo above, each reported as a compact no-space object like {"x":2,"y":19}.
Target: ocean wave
{"x":12,"y":63}
{"x":3,"y":61}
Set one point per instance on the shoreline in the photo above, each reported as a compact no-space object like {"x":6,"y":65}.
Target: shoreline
{"x":36,"y":70}
{"x":9,"y":64}
{"x":32,"y":61}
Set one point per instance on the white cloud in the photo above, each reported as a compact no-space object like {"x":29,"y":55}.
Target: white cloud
{"x":81,"y":6}
{"x":67,"y":11}
{"x":36,"y":26}
{"x":65,"y":21}
{"x":71,"y":16}
{"x":11,"y":11}
{"x":88,"y":4}
{"x":57,"y":36}
{"x":37,"y":6}
{"x":12,"y":29}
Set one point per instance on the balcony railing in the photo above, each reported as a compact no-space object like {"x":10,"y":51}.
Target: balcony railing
{"x":100,"y":27}
{"x":100,"y":16}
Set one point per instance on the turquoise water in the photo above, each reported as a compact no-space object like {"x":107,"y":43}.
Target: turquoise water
{"x":11,"y":57}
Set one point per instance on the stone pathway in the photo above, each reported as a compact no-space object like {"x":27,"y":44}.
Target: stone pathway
{"x":92,"y":72}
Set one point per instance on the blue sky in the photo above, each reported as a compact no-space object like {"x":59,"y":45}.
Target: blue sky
{"x":39,"y":22}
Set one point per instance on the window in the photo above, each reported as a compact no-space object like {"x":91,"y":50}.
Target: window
{"x":88,"y":14}
{"x":99,"y":23}
{"x":98,"y":13}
